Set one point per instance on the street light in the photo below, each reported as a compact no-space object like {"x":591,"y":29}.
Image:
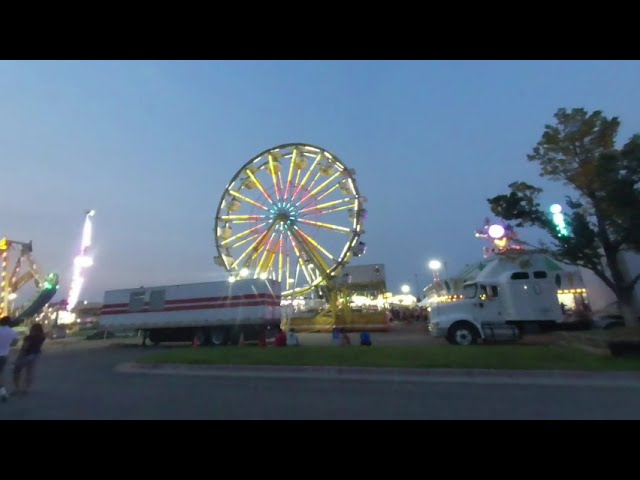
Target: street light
{"x":405,"y":289}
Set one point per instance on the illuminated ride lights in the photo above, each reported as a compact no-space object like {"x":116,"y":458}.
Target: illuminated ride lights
{"x":502,"y":237}
{"x":81,"y":262}
{"x":24,"y":271}
{"x":558,"y":220}
{"x":292,"y":214}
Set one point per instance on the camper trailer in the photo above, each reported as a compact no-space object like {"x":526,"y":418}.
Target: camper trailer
{"x":217,"y":313}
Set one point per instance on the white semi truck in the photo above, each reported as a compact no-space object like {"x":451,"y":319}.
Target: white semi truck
{"x":503,"y":295}
{"x":217,"y":313}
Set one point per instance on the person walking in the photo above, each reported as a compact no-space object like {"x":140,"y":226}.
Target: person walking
{"x":8,"y":339}
{"x":27,"y":358}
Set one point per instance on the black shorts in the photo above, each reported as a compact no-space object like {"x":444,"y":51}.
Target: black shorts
{"x":3,"y":362}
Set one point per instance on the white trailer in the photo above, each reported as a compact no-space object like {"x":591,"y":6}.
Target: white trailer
{"x":503,"y":295}
{"x":216,"y":313}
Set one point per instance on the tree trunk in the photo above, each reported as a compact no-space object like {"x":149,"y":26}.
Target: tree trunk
{"x":625,"y":299}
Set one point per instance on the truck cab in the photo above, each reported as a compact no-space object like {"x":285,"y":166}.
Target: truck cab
{"x":499,"y":303}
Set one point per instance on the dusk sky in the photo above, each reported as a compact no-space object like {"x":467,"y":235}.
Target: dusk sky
{"x":151,"y":146}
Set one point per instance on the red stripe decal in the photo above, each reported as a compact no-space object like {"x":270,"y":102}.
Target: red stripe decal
{"x":180,"y":308}
{"x":252,"y":296}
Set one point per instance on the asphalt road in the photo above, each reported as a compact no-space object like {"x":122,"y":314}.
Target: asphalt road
{"x":80,"y":383}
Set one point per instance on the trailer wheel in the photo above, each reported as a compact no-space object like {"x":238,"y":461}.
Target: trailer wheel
{"x":153,"y":337}
{"x":463,"y":333}
{"x":219,"y":336}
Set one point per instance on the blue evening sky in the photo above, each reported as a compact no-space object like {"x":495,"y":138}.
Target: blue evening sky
{"x":151,"y":146}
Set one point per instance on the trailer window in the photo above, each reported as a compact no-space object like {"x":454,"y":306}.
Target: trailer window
{"x":136,"y":301}
{"x":540,"y":274}
{"x":156,"y":300}
{"x":520,"y":276}
{"x":470,"y":291}
{"x":493,"y":293}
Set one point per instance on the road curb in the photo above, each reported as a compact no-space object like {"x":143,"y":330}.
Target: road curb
{"x":480,"y":376}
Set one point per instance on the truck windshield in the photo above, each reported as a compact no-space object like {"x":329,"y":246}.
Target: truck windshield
{"x":470,"y":291}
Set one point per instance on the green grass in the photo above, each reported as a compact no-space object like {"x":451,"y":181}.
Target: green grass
{"x":490,"y":357}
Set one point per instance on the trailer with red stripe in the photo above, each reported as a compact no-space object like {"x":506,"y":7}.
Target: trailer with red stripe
{"x":216,"y":313}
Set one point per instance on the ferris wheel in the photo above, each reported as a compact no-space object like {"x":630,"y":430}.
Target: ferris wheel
{"x":293,"y":214}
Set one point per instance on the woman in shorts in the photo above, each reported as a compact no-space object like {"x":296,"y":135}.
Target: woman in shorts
{"x":27,"y":358}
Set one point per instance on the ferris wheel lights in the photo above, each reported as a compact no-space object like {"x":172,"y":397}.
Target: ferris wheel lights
{"x":244,"y":272}
{"x":290,"y":203}
{"x":232,"y":279}
{"x":12,"y":296}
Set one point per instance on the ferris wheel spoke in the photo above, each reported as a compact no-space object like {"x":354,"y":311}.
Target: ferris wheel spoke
{"x":287,"y":271}
{"x":233,"y":218}
{"x":242,"y":234}
{"x":259,"y":185}
{"x":292,"y":161}
{"x":297,"y":182}
{"x":272,"y":257}
{"x":306,"y":177}
{"x":246,"y":199}
{"x":295,"y":280}
{"x":310,"y":246}
{"x":328,"y":226}
{"x":300,"y":259}
{"x":273,"y":176}
{"x":253,"y":246}
{"x":316,"y":244}
{"x":332,"y":189}
{"x":325,"y":212}
{"x":320,"y":187}
{"x":313,"y":182}
{"x":248,"y":239}
{"x":264,"y":255}
{"x":280,"y":259}
{"x":325,"y":205}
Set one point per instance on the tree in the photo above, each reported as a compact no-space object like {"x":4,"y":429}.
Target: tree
{"x":603,"y":215}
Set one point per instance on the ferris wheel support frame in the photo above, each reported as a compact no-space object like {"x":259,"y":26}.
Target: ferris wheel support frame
{"x":12,"y":283}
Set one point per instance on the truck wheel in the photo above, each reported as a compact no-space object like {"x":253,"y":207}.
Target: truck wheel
{"x":219,"y":336}
{"x":463,"y":333}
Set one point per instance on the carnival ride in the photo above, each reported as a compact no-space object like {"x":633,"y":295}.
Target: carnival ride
{"x":14,"y":279}
{"x":82,"y":261}
{"x":294,"y":214}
